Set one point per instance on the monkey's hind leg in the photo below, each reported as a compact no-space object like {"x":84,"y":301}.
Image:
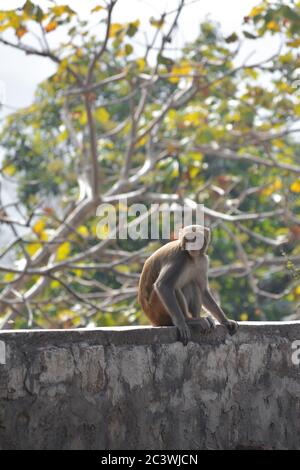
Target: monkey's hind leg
{"x":156,"y":312}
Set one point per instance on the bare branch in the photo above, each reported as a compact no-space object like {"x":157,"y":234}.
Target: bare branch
{"x":93,"y":87}
{"x":226,"y":154}
{"x":98,"y":55}
{"x":93,"y":148}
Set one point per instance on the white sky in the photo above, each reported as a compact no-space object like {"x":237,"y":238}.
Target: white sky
{"x":19,"y":74}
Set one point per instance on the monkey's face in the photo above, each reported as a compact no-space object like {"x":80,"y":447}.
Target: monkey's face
{"x":194,"y":239}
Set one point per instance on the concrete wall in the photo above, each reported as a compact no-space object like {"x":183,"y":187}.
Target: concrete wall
{"x":139,"y":388}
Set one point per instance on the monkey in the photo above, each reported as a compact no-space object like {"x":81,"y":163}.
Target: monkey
{"x":174,"y":286}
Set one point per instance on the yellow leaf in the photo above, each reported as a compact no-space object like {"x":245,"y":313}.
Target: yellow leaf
{"x":156,"y":23}
{"x":54,"y":284}
{"x":235,"y":117}
{"x":83,"y":118}
{"x":278,"y":143}
{"x":273,"y":26}
{"x":286,"y":58}
{"x":39,"y":226}
{"x":62,"y":136}
{"x":44,"y":236}
{"x":32,"y":248}
{"x":3,"y":27}
{"x":192,"y":119}
{"x":295,"y":43}
{"x":122,"y":268}
{"x":295,"y":186}
{"x":175,"y":172}
{"x":244,"y":316}
{"x":251,"y":73}
{"x":82,"y":230}
{"x":143,"y":141}
{"x":78,"y":272}
{"x":194,"y":172}
{"x":256,"y":11}
{"x":115,"y":28}
{"x":275,"y":186}
{"x":297,"y":290}
{"x":61,"y":9}
{"x":8,"y":277}
{"x":141,"y":64}
{"x":14,"y":20}
{"x":51,"y":26}
{"x":63,"y":65}
{"x":285,"y":87}
{"x":102,"y":115}
{"x":9,"y":170}
{"x":180,"y":71}
{"x":94,"y":229}
{"x":63,"y":251}
{"x":97,"y":8}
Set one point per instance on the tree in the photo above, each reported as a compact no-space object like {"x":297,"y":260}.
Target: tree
{"x":112,"y":123}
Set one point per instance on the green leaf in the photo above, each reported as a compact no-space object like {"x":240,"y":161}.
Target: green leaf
{"x":156,"y":23}
{"x":29,"y":8}
{"x":249,"y":35}
{"x":133,"y":28}
{"x":289,"y":13}
{"x":128,"y":49}
{"x":232,"y":38}
{"x":164,"y":60}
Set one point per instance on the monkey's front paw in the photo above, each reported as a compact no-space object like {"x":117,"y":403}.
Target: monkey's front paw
{"x":210,"y":324}
{"x":184,"y":333}
{"x":207,"y":324}
{"x":232,"y":327}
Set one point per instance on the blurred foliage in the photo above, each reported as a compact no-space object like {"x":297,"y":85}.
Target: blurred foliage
{"x":234,"y":107}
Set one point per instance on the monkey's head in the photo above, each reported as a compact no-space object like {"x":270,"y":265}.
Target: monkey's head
{"x":194,"y":239}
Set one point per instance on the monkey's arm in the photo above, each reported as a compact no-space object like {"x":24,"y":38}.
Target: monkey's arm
{"x":165,"y":287}
{"x":211,"y":305}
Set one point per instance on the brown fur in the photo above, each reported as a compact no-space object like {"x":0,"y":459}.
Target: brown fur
{"x":147,"y":297}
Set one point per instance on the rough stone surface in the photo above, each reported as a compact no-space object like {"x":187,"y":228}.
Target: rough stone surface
{"x":139,"y":388}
